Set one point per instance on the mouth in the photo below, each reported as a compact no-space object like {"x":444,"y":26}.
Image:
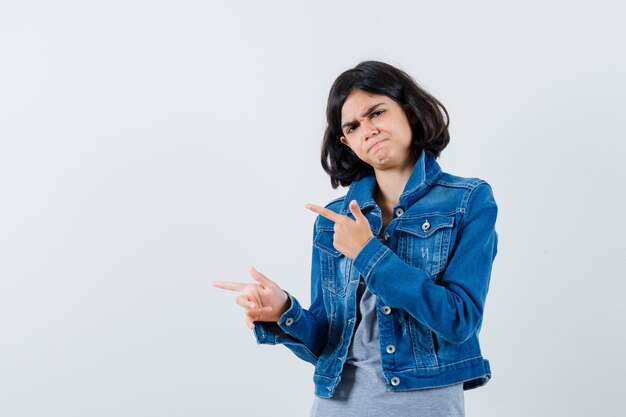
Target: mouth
{"x":374,"y":145}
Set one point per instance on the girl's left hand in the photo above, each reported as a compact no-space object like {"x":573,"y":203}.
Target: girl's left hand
{"x":350,"y":235}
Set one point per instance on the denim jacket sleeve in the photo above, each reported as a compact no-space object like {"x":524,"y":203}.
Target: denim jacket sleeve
{"x":304,"y":332}
{"x":453,"y":308}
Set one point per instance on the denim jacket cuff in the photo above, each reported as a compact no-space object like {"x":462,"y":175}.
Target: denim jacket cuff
{"x":369,"y":256}
{"x":275,"y":332}
{"x":289,"y":322}
{"x":266,"y":333}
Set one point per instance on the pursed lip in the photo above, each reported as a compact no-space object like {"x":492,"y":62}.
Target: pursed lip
{"x":376,"y":143}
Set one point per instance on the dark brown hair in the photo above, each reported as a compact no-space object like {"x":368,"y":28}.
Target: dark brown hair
{"x":430,"y":131}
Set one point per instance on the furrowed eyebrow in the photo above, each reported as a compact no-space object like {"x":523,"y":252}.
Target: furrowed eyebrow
{"x":365,"y":113}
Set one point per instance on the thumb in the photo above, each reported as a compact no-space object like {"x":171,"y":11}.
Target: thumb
{"x":356,"y":212}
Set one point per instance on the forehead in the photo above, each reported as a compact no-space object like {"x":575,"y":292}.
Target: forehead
{"x":358,"y":101}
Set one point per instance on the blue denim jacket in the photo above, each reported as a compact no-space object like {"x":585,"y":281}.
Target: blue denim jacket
{"x":430,"y":275}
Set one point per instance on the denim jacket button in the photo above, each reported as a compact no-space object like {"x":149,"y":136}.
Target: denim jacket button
{"x":391,"y":349}
{"x":395,"y":381}
{"x":425,"y":226}
{"x":387,"y":236}
{"x":289,"y":322}
{"x":386,"y":310}
{"x":399,"y":212}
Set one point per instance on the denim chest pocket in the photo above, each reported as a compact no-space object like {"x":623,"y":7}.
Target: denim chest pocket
{"x":424,"y":241}
{"x":336,"y":269}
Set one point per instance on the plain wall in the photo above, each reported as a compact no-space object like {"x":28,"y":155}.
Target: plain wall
{"x":148,"y":148}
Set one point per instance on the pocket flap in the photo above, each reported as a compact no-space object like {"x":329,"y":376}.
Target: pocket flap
{"x":425,"y":226}
{"x":324,"y":241}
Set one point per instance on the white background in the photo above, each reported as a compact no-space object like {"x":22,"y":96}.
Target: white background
{"x":150,"y":147}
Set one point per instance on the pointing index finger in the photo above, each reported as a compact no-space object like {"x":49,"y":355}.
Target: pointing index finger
{"x":322,"y":211}
{"x":229,"y":285}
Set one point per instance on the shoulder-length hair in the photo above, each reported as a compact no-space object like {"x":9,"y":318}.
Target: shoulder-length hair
{"x":428,"y":117}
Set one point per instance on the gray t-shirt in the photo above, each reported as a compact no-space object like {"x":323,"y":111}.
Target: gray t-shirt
{"x":362,"y":391}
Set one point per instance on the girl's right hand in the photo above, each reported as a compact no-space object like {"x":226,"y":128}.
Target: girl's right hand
{"x":262,"y":301}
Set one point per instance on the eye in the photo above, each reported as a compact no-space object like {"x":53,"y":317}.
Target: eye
{"x":350,"y":128}
{"x":377,"y":113}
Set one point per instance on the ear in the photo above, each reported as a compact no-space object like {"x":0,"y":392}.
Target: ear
{"x":344,"y":140}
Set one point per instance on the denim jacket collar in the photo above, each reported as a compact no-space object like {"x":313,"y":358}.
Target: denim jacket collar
{"x":425,"y":171}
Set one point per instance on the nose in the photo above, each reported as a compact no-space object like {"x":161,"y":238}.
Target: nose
{"x":368,"y":129}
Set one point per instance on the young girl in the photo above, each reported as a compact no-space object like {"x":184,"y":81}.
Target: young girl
{"x":401,"y":264}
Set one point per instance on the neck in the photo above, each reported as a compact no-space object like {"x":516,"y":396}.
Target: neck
{"x":391,"y":182}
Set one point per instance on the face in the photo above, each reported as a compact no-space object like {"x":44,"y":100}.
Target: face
{"x":377,"y":130}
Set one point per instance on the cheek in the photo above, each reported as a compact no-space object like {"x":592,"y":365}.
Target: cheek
{"x":357,"y":148}
{"x":406,"y":131}
{"x":409,"y":135}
